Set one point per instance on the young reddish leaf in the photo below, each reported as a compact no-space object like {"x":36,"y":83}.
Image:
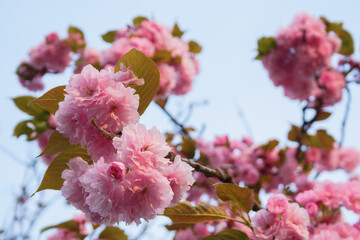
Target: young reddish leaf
{"x":52,"y":178}
{"x":184,"y":212}
{"x":109,"y":36}
{"x":113,"y":233}
{"x":322,"y":116}
{"x":242,"y":198}
{"x":142,"y":67}
{"x":228,"y":234}
{"x":326,"y":140}
{"x":71,"y":225}
{"x":194,"y":47}
{"x":138,"y":20}
{"x":188,"y":147}
{"x":57,"y":143}
{"x":294,"y":133}
{"x":176,"y":32}
{"x":271,"y":145}
{"x":50,"y":100}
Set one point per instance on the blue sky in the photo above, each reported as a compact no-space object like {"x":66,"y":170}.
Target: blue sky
{"x":230,"y":79}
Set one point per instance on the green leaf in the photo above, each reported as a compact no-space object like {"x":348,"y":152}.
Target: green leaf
{"x":347,"y":42}
{"x":72,"y":225}
{"x":109,"y":36}
{"x":242,"y":198}
{"x":162,"y":56}
{"x":57,"y":143}
{"x":75,"y":30}
{"x":188,"y":147}
{"x":50,"y":100}
{"x":113,"y":233}
{"x":176,"y":32}
{"x":142,"y":67}
{"x":228,"y":234}
{"x":138,"y":20}
{"x":265,"y":45}
{"x":321,"y":140}
{"x":31,"y":128}
{"x":322,"y":116}
{"x":326,"y":140}
{"x":24,"y":104}
{"x":271,"y":145}
{"x":294,"y":133}
{"x":22,"y":128}
{"x":178,"y":226}
{"x":184,"y":212}
{"x":194,"y":47}
{"x":52,"y":178}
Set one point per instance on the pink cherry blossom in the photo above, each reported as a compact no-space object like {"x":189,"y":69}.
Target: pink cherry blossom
{"x":168,"y":78}
{"x":277,"y":204}
{"x":145,"y":193}
{"x":123,"y":45}
{"x":266,"y":225}
{"x":302,"y":50}
{"x":87,"y":56}
{"x":332,"y":83}
{"x":180,"y":177}
{"x":139,"y":148}
{"x":53,"y":55}
{"x":96,"y":95}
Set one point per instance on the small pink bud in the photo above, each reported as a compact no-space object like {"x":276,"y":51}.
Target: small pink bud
{"x":312,"y":209}
{"x":52,"y":37}
{"x":117,"y":170}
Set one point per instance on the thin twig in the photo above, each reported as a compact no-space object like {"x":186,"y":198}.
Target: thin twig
{"x":106,"y":134}
{"x":183,"y":129}
{"x":346,"y":115}
{"x":307,"y":125}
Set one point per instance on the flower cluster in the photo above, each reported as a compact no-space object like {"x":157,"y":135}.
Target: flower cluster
{"x":103,"y":97}
{"x":282,"y":220}
{"x":177,"y":64}
{"x":139,"y":183}
{"x":330,"y":196}
{"x":336,"y":158}
{"x":300,"y":60}
{"x":51,"y":56}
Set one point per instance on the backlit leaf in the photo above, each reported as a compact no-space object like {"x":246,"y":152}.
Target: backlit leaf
{"x":194,"y":47}
{"x":72,"y":225}
{"x":50,"y":100}
{"x":57,"y":143}
{"x":265,"y":45}
{"x":242,"y":198}
{"x":228,"y":234}
{"x":138,"y":20}
{"x":142,"y":67}
{"x":113,"y":233}
{"x":184,"y":212}
{"x":176,"y":31}
{"x":109,"y":36}
{"x":52,"y":178}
